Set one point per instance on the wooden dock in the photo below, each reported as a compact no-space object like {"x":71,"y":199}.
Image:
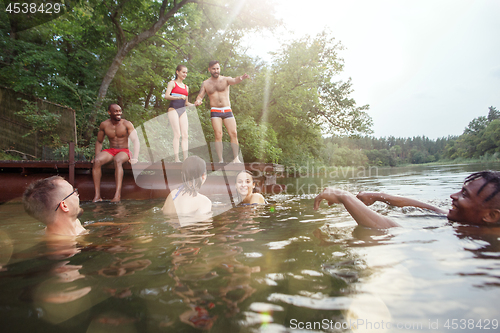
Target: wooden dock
{"x":140,"y":182}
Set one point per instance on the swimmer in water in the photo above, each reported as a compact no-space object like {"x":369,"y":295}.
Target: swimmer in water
{"x":477,"y":203}
{"x":245,"y":186}
{"x":186,"y":200}
{"x":55,"y":203}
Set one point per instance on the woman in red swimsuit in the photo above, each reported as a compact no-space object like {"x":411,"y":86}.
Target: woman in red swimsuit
{"x":177,"y":93}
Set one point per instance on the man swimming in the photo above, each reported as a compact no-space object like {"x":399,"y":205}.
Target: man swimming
{"x":477,"y":203}
{"x":118,"y":131}
{"x":55,"y":203}
{"x":217,"y":88}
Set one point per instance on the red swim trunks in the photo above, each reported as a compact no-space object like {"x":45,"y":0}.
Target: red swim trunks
{"x":114,"y":151}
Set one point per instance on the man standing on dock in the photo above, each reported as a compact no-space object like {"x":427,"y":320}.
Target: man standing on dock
{"x":118,"y":131}
{"x":217,"y":88}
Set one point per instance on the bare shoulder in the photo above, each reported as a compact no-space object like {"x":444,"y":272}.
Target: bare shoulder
{"x":257,"y":198}
{"x":205,"y":204}
{"x":168,"y":206}
{"x":105,"y":124}
{"x":128,"y":124}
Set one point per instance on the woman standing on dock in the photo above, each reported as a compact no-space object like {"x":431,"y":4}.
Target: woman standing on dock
{"x":177,"y":93}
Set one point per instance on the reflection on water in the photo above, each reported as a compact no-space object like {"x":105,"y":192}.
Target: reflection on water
{"x":278,"y":267}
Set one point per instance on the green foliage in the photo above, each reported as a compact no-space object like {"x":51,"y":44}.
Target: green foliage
{"x":43,"y":123}
{"x":481,"y":137}
{"x":281,"y":113}
{"x":258,"y":142}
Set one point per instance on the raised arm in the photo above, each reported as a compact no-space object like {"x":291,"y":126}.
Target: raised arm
{"x":238,"y":79}
{"x":368,"y":198}
{"x":201,"y":94}
{"x":359,"y":211}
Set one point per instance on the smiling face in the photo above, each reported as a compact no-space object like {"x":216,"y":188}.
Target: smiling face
{"x":115,"y":112}
{"x":214,"y":71}
{"x":469,"y":206}
{"x":182,"y":73}
{"x":244,"y":184}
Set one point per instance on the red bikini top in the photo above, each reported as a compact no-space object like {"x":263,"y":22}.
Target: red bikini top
{"x":179,"y":90}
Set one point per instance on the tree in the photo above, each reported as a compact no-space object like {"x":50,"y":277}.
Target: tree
{"x":493,"y":114}
{"x":297,"y":95}
{"x":129,"y":33}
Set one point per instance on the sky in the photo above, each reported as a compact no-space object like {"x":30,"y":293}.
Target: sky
{"x":424,"y":67}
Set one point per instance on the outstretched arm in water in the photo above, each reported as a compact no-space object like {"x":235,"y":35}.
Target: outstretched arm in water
{"x":359,"y":211}
{"x":368,"y":198}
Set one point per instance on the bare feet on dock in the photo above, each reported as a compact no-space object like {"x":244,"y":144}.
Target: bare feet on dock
{"x":116,"y":199}
{"x":97,"y":199}
{"x":236,"y":160}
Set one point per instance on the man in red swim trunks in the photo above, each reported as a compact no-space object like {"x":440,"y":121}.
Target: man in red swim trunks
{"x":217,"y":88}
{"x":118,"y":131}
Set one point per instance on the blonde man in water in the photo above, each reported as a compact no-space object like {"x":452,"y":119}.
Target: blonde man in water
{"x":217,"y":89}
{"x":55,"y":203}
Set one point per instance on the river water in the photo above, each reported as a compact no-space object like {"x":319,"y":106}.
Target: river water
{"x":282,"y":267}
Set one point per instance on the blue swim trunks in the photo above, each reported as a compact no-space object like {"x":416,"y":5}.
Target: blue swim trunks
{"x":222,"y":113}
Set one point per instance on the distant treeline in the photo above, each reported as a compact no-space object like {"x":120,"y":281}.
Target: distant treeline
{"x":480,"y":140}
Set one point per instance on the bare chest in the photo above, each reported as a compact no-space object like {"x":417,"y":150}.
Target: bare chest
{"x":217,"y":87}
{"x":116,"y":131}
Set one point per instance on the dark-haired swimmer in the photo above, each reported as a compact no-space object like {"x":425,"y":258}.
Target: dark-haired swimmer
{"x":245,"y":186}
{"x":186,"y":200}
{"x":478,"y":203}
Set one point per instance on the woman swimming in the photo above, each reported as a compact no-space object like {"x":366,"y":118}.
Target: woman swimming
{"x":177,"y":93}
{"x":186,"y":200}
{"x":245,"y":186}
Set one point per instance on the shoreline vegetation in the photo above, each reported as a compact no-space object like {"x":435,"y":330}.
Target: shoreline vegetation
{"x":305,"y":115}
{"x":316,"y":170}
{"x":479,"y":143}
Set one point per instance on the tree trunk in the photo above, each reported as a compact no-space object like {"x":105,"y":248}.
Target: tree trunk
{"x":120,"y":56}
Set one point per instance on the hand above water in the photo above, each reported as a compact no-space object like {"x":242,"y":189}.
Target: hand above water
{"x":331,"y":195}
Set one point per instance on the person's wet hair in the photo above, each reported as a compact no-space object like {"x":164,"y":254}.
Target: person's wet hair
{"x":490,"y":177}
{"x":193,"y":168}
{"x":38,"y":198}
{"x":213,"y":62}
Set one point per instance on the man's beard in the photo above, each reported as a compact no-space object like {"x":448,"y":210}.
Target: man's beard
{"x":80,"y":213}
{"x":215,"y":75}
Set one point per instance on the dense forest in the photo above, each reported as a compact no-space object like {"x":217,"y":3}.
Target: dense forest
{"x":293,"y":110}
{"x":480,"y":140}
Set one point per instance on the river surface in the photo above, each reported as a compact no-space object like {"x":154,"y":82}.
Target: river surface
{"x":281,"y":267}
